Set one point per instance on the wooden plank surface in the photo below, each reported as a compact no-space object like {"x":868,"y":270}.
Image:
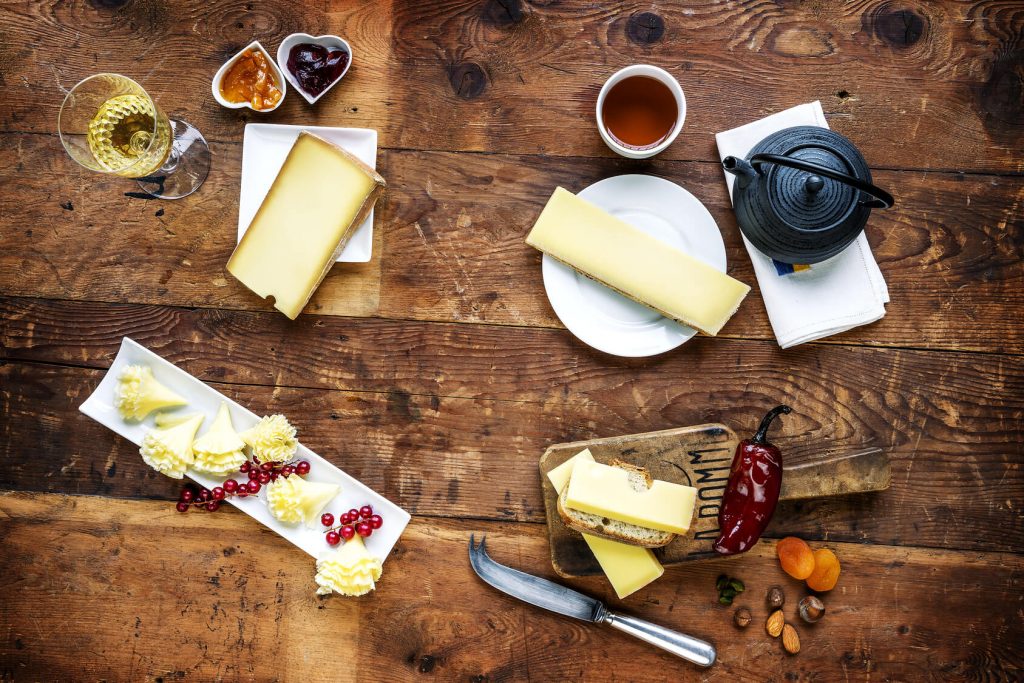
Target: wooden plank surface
{"x":438,"y":374}
{"x":227,"y":593}
{"x":447,"y":250}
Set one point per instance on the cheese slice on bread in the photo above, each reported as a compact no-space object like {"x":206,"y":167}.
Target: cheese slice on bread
{"x":615,"y":530}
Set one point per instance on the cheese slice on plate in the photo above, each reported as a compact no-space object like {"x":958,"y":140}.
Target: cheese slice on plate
{"x":605,"y":490}
{"x":320,"y":196}
{"x":647,"y":270}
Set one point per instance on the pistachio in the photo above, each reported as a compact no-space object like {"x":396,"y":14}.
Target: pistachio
{"x":790,"y":640}
{"x":776,"y":598}
{"x":775,"y":622}
{"x":742,"y":617}
{"x":811,"y":609}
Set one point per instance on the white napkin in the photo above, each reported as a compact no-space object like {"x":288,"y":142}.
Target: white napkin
{"x":833,"y":296}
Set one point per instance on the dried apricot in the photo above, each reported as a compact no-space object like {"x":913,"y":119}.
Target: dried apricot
{"x":826,"y":571}
{"x":796,"y":557}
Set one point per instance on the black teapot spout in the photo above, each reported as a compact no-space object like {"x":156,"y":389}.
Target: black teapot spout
{"x":740,"y":168}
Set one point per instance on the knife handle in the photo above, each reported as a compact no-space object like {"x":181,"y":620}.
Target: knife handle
{"x":689,"y":648}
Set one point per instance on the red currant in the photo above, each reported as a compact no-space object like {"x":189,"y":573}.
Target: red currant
{"x":333,"y":538}
{"x":243,"y":491}
{"x":245,"y":466}
{"x":267,"y":466}
{"x":217,"y":493}
{"x":353,"y":514}
{"x":365,"y":512}
{"x":344,"y":519}
{"x":264,"y":478}
{"x":253,"y":474}
{"x":212,"y":506}
{"x":302,"y":468}
{"x":327,"y":519}
{"x":364,"y":529}
{"x":204,"y":495}
{"x":231,"y":486}
{"x":376,"y":521}
{"x":347,"y":532}
{"x":186,"y":495}
{"x":253,"y":486}
{"x":287,"y":470}
{"x":182,"y":506}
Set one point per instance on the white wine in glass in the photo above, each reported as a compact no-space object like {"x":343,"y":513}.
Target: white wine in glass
{"x":108,"y":123}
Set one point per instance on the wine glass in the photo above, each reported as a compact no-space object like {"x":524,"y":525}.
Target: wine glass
{"x":108,"y":123}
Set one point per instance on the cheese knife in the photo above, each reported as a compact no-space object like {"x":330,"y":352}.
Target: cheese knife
{"x":561,"y":600}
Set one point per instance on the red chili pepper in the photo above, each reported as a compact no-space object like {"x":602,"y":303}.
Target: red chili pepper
{"x":752,"y":492}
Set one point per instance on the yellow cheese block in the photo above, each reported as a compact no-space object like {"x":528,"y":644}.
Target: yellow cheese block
{"x":628,"y":567}
{"x":635,"y":264}
{"x":320,"y":196}
{"x":559,"y":476}
{"x":605,"y":490}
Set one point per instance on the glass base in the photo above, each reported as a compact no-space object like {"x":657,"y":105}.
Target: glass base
{"x":186,"y":167}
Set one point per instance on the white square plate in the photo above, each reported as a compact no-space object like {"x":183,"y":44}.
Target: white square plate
{"x":204,"y":399}
{"x":264,"y":149}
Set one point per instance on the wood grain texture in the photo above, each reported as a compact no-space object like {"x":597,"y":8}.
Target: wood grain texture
{"x":450,"y":244}
{"x":956,"y":473}
{"x":917,"y":85}
{"x":236,"y":602}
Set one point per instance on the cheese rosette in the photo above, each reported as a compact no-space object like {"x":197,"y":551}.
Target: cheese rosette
{"x":292,"y":499}
{"x":272,"y":439}
{"x":169,"y":450}
{"x":220,"y":450}
{"x":138,"y":393}
{"x":350,"y":570}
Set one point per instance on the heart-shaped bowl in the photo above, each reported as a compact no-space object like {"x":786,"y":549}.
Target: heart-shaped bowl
{"x":281,"y":83}
{"x":330,"y":42}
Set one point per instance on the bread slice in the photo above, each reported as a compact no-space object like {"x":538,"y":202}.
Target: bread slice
{"x":612,"y":529}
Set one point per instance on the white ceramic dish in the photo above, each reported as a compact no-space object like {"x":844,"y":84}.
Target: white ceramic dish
{"x":264,"y":149}
{"x":202,"y":398}
{"x":603,"y":318}
{"x":328,"y":41}
{"x":278,"y":76}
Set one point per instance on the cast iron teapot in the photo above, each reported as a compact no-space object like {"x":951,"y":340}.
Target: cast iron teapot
{"x":803,"y":194}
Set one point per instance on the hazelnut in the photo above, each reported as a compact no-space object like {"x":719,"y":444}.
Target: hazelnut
{"x":811,"y":609}
{"x":776,"y":598}
{"x":742,"y":617}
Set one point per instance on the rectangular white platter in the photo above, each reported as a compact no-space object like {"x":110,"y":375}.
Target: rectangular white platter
{"x":264,"y":149}
{"x":206,"y":400}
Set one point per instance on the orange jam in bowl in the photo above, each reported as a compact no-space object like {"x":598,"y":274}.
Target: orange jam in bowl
{"x":251,"y":79}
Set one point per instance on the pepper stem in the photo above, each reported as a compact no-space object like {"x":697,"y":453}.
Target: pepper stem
{"x":762,"y":431}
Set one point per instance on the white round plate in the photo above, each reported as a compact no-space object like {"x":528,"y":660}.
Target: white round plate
{"x":603,"y":318}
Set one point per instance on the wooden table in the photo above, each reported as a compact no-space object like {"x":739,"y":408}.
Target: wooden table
{"x":437,"y":373}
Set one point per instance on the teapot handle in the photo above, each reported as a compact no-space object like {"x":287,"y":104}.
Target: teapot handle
{"x":880,"y":198}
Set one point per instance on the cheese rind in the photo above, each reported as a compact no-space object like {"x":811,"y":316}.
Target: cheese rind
{"x":628,"y":260}
{"x":559,"y":476}
{"x":321,"y":194}
{"x":605,"y":490}
{"x":628,"y":567}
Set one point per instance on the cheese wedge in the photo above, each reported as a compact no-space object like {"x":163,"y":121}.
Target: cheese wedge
{"x":633,"y":263}
{"x":320,"y":196}
{"x":628,"y":567}
{"x":605,"y":490}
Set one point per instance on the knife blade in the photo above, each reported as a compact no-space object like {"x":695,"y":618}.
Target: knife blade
{"x":557,"y":598}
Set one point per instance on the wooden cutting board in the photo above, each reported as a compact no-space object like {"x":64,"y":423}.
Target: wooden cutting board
{"x":697,"y":456}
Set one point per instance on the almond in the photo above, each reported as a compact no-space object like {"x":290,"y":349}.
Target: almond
{"x":776,"y":620}
{"x":790,"y":640}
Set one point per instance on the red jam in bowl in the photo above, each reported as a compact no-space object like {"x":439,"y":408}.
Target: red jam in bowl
{"x":315,"y":67}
